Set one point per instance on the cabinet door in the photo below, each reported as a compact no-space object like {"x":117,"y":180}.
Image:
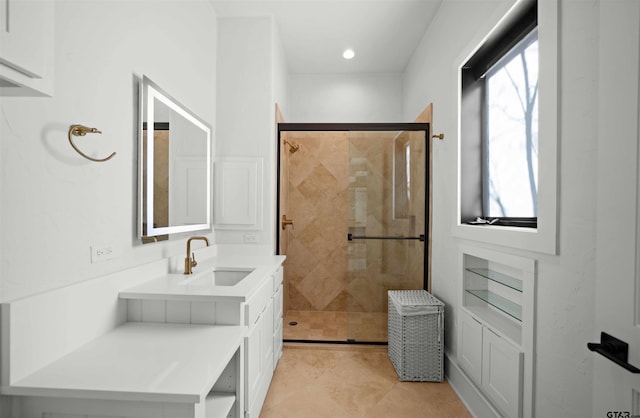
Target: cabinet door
{"x":267,"y":341}
{"x":277,"y":308}
{"x":502,"y":373}
{"x":259,"y":359}
{"x":253,"y":358}
{"x":25,"y":26}
{"x":278,"y":277}
{"x":470,"y":346}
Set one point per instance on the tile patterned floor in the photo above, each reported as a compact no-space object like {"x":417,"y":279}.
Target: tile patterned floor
{"x":336,"y":326}
{"x":352,"y":381}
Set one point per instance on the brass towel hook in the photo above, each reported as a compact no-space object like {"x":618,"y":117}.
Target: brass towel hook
{"x":438,"y":136}
{"x":81,"y":130}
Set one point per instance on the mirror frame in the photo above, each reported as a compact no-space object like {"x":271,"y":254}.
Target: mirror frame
{"x":149,"y":92}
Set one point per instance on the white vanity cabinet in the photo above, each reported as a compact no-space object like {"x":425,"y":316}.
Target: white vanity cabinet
{"x":26,"y":47}
{"x":255,"y":302}
{"x":263,"y":348}
{"x":144,"y":370}
{"x":180,"y":347}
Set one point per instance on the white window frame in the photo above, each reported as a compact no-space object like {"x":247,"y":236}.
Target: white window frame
{"x":543,"y":238}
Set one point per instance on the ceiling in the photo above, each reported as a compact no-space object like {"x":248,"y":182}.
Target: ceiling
{"x":383,"y":33}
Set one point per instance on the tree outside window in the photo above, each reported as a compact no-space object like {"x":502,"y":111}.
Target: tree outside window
{"x":511,"y":129}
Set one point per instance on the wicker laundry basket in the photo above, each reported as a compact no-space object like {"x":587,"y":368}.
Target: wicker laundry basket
{"x":416,"y":335}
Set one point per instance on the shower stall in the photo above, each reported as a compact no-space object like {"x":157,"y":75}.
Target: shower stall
{"x":353,"y":223}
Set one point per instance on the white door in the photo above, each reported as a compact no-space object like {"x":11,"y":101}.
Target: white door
{"x":616,"y":391}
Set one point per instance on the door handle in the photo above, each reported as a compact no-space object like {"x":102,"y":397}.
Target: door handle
{"x":286,"y":222}
{"x":615,"y":350}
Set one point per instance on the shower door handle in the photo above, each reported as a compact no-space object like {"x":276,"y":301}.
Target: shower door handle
{"x":421,"y":237}
{"x":286,"y":222}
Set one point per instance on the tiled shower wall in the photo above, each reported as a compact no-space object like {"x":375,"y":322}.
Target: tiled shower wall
{"x":341,"y":182}
{"x":316,"y":267}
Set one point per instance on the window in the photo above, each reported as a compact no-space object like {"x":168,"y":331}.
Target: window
{"x":511,"y":143}
{"x":499,"y":135}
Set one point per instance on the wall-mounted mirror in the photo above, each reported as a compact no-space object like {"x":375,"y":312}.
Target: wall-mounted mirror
{"x":174,"y":188}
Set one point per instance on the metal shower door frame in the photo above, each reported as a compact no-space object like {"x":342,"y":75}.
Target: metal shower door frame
{"x":359,"y":127}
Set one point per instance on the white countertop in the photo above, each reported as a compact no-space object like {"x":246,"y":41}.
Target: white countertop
{"x":188,"y":288}
{"x":140,"y":362}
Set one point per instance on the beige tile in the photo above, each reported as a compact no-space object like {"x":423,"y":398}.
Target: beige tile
{"x":314,"y":380}
{"x":321,"y":287}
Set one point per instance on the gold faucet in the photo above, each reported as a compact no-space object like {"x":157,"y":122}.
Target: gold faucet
{"x":190,"y":260}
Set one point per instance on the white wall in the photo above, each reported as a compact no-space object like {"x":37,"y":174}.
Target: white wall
{"x":280,"y":73}
{"x":565,"y":295}
{"x":55,"y":204}
{"x":252,"y":78}
{"x":347,"y":98}
{"x":431,"y":76}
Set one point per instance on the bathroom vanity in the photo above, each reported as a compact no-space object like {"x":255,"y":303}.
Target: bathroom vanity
{"x":165,"y":370}
{"x":243,"y":291}
{"x":146,"y":343}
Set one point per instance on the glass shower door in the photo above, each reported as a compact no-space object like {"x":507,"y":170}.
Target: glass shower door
{"x":387,"y":225}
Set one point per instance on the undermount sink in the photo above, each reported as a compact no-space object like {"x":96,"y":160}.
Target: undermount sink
{"x":219,"y":277}
{"x":229,"y":277}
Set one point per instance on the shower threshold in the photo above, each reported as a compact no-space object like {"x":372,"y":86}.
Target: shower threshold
{"x":349,"y":341}
{"x":335,"y":327}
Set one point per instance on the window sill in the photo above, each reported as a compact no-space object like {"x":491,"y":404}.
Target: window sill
{"x":530,"y":223}
{"x":529,"y":239}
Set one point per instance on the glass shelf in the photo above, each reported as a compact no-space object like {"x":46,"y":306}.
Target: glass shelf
{"x":505,"y":305}
{"x":503,"y":279}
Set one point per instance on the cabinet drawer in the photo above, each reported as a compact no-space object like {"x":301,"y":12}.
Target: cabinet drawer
{"x":258,"y":301}
{"x":277,"y":279}
{"x":277,"y":308}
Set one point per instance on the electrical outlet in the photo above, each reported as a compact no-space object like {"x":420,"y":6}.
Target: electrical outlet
{"x":250,"y":238}
{"x":101,"y":253}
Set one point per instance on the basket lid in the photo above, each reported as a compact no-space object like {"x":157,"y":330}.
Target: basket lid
{"x":415,"y":302}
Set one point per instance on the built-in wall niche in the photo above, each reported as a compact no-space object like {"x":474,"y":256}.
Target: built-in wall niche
{"x":496,"y":327}
{"x":493,"y":291}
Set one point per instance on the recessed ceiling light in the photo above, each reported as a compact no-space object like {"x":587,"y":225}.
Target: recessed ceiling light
{"x":348,"y":54}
